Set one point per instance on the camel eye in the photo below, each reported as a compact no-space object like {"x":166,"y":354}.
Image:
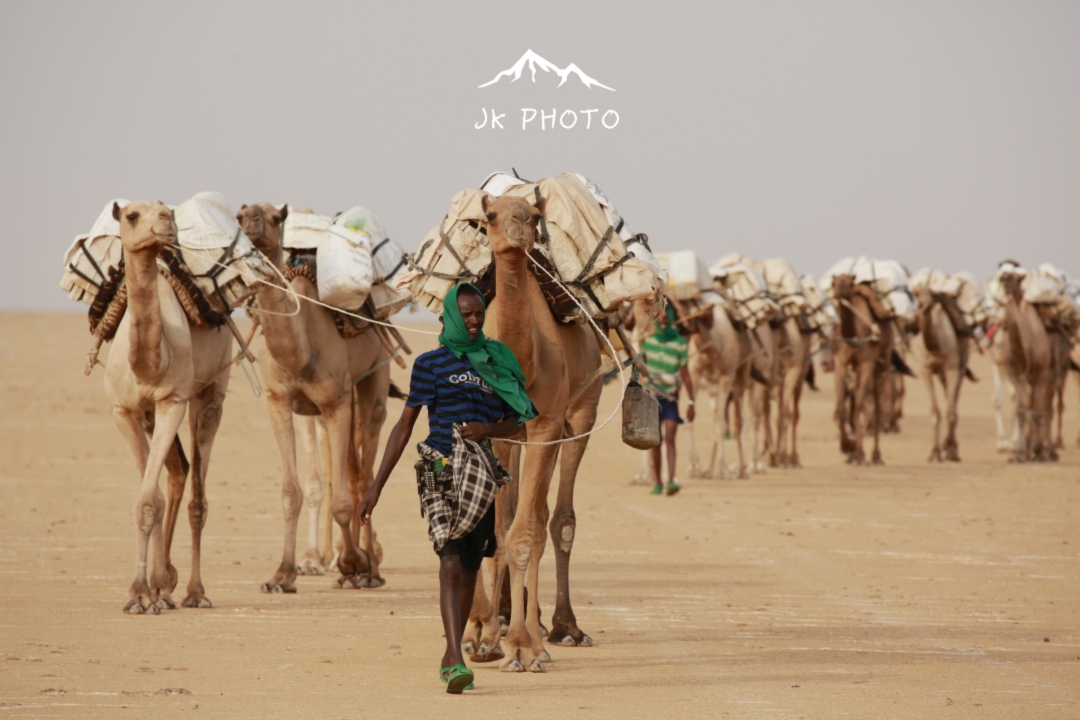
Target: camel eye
{"x":132,"y":217}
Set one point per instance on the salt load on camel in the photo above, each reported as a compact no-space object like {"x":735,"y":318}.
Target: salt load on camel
{"x":582,"y":243}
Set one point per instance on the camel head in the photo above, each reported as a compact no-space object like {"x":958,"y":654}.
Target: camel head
{"x":1013,"y":284}
{"x":145,"y":225}
{"x":843,"y":286}
{"x":262,"y":223}
{"x":511,"y":223}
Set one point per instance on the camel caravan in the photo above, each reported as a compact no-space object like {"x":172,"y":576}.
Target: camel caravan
{"x":565,"y":296}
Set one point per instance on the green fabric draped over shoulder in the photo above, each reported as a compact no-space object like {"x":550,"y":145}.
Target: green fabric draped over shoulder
{"x":491,"y":359}
{"x":669,"y":333}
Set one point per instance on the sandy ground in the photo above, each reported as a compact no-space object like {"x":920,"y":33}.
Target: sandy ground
{"x":909,"y":590}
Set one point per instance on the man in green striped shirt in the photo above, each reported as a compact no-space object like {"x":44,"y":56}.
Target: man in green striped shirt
{"x":666,"y":358}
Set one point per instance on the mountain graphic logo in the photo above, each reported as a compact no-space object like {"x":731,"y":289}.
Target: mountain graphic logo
{"x":535,"y":62}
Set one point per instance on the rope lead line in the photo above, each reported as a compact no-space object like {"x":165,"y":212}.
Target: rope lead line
{"x":607,"y":341}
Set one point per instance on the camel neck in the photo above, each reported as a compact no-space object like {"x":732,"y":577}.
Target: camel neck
{"x":515,"y":322}
{"x":144,"y":311}
{"x":281,"y":327}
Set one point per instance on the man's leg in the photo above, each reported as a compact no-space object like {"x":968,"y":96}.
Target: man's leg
{"x":452,"y":585}
{"x":654,"y":458}
{"x":670,"y":428}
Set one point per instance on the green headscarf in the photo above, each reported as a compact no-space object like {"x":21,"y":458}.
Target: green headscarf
{"x":491,"y":359}
{"x":669,"y":333}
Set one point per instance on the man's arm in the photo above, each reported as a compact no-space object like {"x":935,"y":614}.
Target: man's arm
{"x":477,"y":431}
{"x":395,"y":445}
{"x":688,"y":381}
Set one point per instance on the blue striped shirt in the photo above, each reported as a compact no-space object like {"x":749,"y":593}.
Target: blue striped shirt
{"x":453,"y":393}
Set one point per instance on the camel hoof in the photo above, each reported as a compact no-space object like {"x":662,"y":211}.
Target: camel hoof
{"x":165,"y":603}
{"x":495,"y":653}
{"x":568,"y":641}
{"x":372,"y":582}
{"x":543,"y":631}
{"x":345,"y":583}
{"x":310,"y":567}
{"x":197,"y":601}
{"x":134,"y":608}
{"x":513,"y":666}
{"x":537,"y":667}
{"x":276,"y":588}
{"x":934,"y":458}
{"x":544,"y":657}
{"x":467,"y":647}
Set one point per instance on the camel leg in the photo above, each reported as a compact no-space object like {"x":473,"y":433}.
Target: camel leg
{"x":953,"y":378}
{"x":328,"y":553}
{"x":864,"y":386}
{"x":739,"y":402}
{"x":717,"y":399}
{"x":935,"y":414}
{"x":345,"y":472}
{"x":564,"y":627}
{"x":489,"y":627}
{"x":314,"y":494}
{"x":524,"y":643}
{"x":840,"y":414}
{"x":149,"y":510}
{"x":877,"y":380}
{"x":370,"y":414}
{"x":284,"y":580}
{"x":998,"y":400}
{"x":204,"y":419}
{"x":176,"y":466}
{"x":793,"y":416}
{"x":769,"y":447}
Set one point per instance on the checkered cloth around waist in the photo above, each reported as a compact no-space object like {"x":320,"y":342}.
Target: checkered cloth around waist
{"x":455,"y":500}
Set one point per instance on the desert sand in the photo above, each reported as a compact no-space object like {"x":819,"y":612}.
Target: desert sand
{"x":905,"y":591}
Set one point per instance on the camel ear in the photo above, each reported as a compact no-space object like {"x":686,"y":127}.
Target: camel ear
{"x":540,"y":204}
{"x":283,"y":213}
{"x":160,"y":202}
{"x":485,"y":204}
{"x":116,"y":211}
{"x":243,"y":206}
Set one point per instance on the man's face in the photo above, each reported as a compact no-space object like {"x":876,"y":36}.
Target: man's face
{"x":472,"y":312}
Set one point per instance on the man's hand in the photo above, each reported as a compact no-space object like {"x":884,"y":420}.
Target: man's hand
{"x":690,"y":413}
{"x":367,"y":504}
{"x":476,"y":431}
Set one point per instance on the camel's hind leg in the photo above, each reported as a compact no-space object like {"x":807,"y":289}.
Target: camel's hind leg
{"x":1004,"y":443}
{"x":204,"y":419}
{"x":314,"y":494}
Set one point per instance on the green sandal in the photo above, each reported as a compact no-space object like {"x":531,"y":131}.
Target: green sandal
{"x":657,"y":490}
{"x":457,"y":679}
{"x":673,"y":487}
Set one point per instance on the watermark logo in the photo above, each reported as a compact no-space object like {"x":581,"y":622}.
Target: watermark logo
{"x":535,"y":62}
{"x":568,"y":119}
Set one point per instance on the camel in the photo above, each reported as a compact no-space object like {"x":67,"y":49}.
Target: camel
{"x":862,"y":342}
{"x":720,"y":364}
{"x":557,"y":361}
{"x":310,"y":370}
{"x":1030,"y":360}
{"x":943,"y":353}
{"x":158,"y":365}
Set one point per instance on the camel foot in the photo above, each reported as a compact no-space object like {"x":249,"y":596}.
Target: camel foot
{"x":543,"y":631}
{"x":372,"y":582}
{"x":311,"y":565}
{"x":877,"y":459}
{"x":512,"y":666}
{"x":935,"y":456}
{"x":569,"y":636}
{"x":543,"y":657}
{"x":165,"y":602}
{"x":537,"y":667}
{"x":277,"y":587}
{"x":136,"y":607}
{"x":353,"y":563}
{"x":197,"y":600}
{"x":952,"y":455}
{"x":484,"y":652}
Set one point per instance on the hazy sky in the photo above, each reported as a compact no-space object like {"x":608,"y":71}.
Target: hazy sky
{"x":936,"y":133}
